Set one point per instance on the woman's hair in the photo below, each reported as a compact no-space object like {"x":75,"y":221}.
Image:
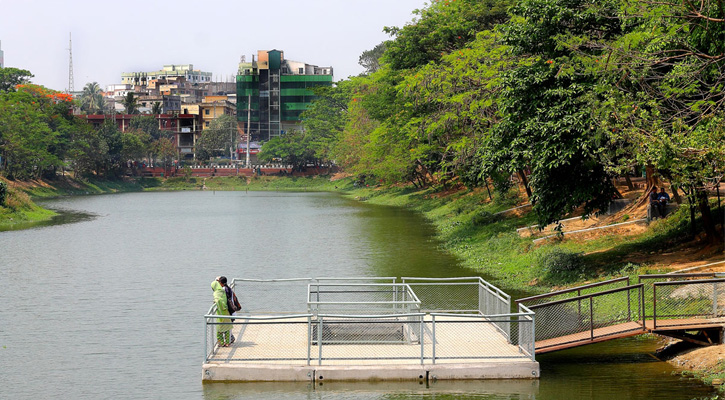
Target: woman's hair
{"x":223,"y":280}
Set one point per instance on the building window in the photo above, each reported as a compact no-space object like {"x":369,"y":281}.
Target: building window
{"x":206,"y":124}
{"x":302,"y":70}
{"x":206,"y":112}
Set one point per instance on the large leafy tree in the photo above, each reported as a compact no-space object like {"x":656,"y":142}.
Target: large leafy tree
{"x":218,"y":138}
{"x":325,"y":120}
{"x":292,"y":148}
{"x":12,"y":77}
{"x":442,"y":27}
{"x":664,"y":98}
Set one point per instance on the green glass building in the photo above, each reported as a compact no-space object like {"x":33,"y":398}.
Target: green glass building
{"x":280,"y":91}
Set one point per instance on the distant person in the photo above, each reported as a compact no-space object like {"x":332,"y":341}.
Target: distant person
{"x":232,"y":301}
{"x":223,"y":331}
{"x":663,"y":199}
{"x":654,"y":203}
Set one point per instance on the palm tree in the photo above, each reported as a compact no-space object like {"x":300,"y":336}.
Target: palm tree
{"x":130,"y":103}
{"x":157,"y":108}
{"x":92,"y":99}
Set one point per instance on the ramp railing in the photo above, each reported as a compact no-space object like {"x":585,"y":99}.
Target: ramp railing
{"x":575,"y":291}
{"x":589,"y":317}
{"x":688,"y":303}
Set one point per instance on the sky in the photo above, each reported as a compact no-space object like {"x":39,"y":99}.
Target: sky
{"x":133,"y":36}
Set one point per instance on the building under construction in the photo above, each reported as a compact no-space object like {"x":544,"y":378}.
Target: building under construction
{"x":280,"y":91}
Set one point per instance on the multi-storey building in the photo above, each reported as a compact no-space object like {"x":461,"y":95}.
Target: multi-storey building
{"x":2,"y":59}
{"x":280,"y":91}
{"x":186,"y":71}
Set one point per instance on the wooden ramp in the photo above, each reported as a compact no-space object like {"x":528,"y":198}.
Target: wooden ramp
{"x":626,"y":330}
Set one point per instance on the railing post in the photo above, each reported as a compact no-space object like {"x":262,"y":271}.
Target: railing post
{"x":533,"y":337}
{"x":714,"y":299}
{"x":591,"y":316}
{"x":654,"y":306}
{"x":433,"y":318}
{"x":206,"y":339}
{"x":422,"y":333}
{"x":319,"y":341}
{"x":309,"y":338}
{"x":629,"y":306}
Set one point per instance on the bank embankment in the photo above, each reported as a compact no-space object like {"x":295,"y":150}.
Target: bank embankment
{"x":704,"y":363}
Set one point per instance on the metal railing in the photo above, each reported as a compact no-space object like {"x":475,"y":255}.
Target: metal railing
{"x":688,"y":303}
{"x":574,"y":292}
{"x":357,"y":319}
{"x":361,"y":298}
{"x":590,"y":316}
{"x":334,"y":339}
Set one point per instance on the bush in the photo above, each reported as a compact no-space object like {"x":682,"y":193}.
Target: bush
{"x":557,"y":262}
{"x":484,"y":218}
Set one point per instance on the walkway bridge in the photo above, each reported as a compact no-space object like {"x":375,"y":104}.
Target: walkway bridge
{"x":690,"y":307}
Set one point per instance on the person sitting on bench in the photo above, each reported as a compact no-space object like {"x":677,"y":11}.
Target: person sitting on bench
{"x":663,"y":198}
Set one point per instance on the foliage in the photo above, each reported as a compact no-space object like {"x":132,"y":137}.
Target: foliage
{"x":291,"y":148}
{"x":130,"y":103}
{"x":91,"y":101}
{"x":12,"y":77}
{"x":218,"y":138}
{"x":157,"y":108}
{"x":370,"y":59}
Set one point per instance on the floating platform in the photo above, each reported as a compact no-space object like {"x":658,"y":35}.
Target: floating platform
{"x":466,"y":348}
{"x":373,"y":329}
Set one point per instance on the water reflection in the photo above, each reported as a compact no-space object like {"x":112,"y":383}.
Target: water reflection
{"x":493,"y":389}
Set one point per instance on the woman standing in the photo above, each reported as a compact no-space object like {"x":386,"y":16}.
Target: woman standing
{"x":223,"y":331}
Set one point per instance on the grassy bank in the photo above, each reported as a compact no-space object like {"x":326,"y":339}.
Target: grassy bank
{"x":470,"y":228}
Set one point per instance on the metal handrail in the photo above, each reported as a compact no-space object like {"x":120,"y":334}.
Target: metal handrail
{"x":670,"y":276}
{"x":574,"y":289}
{"x":585,"y":296}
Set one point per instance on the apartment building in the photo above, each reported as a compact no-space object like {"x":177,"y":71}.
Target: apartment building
{"x":280,"y":91}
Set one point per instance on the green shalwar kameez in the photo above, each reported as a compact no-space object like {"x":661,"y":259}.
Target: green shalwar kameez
{"x":223,"y":333}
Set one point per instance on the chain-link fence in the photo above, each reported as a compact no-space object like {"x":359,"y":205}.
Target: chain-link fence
{"x":575,"y":292}
{"x":369,"y":321}
{"x":651,"y":279}
{"x":275,"y":296}
{"x":687,"y":303}
{"x":587,"y":317}
{"x":361,"y":298}
{"x":348,"y":339}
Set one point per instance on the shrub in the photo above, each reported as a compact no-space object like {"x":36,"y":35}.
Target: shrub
{"x":556,"y":262}
{"x":484,"y":218}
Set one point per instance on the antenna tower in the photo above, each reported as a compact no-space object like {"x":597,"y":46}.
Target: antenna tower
{"x":70,"y":63}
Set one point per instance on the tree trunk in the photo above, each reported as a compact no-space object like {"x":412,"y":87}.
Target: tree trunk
{"x":708,"y":224}
{"x":630,"y":186}
{"x":485,"y":181}
{"x":691,"y":203}
{"x":525,"y":181}
{"x":651,"y":178}
{"x":676,"y":194}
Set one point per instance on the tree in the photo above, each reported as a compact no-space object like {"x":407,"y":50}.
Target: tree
{"x":218,"y":138}
{"x":91,"y":100}
{"x":292,"y":148}
{"x":663,"y":95}
{"x":157,"y":108}
{"x":326,"y":118}
{"x":130,"y":103}
{"x":370,"y":59}
{"x":11,"y":77}
{"x":441,"y":28}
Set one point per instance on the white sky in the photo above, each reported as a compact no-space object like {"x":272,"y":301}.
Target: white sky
{"x":132,"y":35}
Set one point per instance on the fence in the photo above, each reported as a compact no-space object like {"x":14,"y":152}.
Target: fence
{"x":574,"y":292}
{"x":361,"y":298}
{"x":590,"y":316}
{"x":683,"y":303}
{"x":371,"y":320}
{"x":338,"y":339}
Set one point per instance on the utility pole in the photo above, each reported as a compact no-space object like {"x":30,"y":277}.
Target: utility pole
{"x":249,"y":123}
